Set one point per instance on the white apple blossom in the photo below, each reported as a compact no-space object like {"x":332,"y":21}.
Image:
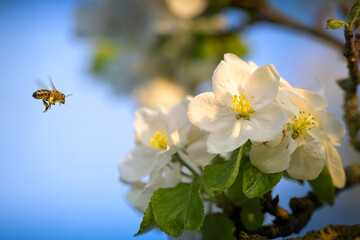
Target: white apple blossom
{"x":307,"y":140}
{"x":164,"y":142}
{"x":159,"y":135}
{"x":331,"y":131}
{"x":241,"y":106}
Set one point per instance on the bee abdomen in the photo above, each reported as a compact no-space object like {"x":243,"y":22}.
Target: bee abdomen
{"x":42,"y":94}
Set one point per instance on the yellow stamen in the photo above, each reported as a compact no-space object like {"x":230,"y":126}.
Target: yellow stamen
{"x":159,"y":141}
{"x":301,"y":124}
{"x":242,"y":106}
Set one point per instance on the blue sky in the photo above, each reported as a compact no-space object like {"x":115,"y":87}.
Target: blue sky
{"x":59,"y":174}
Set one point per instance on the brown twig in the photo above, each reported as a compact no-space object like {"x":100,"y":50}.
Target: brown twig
{"x":272,"y":206}
{"x":263,"y":12}
{"x":284,"y":223}
{"x":349,"y":85}
{"x":303,"y":208}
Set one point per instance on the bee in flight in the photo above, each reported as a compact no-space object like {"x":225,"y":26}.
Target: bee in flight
{"x":50,"y":97}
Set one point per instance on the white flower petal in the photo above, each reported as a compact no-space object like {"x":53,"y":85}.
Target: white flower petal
{"x":189,"y":162}
{"x":272,"y":159}
{"x":177,"y":116}
{"x":229,"y":138}
{"x":307,"y":161}
{"x":159,"y":167}
{"x":283,"y":98}
{"x":198,"y":154}
{"x":196,"y":134}
{"x":252,"y":67}
{"x":147,"y":122}
{"x":262,"y":87}
{"x":228,"y":77}
{"x":284,"y":84}
{"x":171,"y":176}
{"x":206,"y":112}
{"x":178,"y":138}
{"x":138,"y":163}
{"x":139,"y":197}
{"x":316,"y":101}
{"x":334,"y":164}
{"x":332,"y":127}
{"x":267,"y":123}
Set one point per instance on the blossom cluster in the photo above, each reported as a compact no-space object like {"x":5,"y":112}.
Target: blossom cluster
{"x":288,"y":128}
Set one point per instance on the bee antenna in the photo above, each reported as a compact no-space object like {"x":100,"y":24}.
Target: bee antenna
{"x":69,"y":95}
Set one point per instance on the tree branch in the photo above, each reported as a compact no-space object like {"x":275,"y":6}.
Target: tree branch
{"x":271,"y":206}
{"x":303,"y":208}
{"x":263,"y":12}
{"x":349,"y":85}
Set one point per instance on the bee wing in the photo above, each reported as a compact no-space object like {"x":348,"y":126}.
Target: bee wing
{"x":52,"y":83}
{"x":40,"y":84}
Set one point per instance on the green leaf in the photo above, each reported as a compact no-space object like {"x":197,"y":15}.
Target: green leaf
{"x":323,"y":187}
{"x":235,"y":191}
{"x":179,"y":208}
{"x":334,"y":24}
{"x":251,"y":214}
{"x":216,"y":227}
{"x":353,"y":14}
{"x":148,"y":221}
{"x":220,"y":175}
{"x":256,"y":183}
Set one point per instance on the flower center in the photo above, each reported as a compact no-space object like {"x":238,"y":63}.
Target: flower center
{"x":301,"y":124}
{"x":159,"y":140}
{"x":241,"y":105}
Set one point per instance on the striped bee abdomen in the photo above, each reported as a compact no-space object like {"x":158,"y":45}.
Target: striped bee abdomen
{"x":42,"y":94}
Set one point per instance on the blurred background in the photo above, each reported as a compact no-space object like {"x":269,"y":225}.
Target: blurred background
{"x":59,"y":174}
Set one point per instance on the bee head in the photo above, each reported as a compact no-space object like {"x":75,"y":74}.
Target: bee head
{"x":62,"y":99}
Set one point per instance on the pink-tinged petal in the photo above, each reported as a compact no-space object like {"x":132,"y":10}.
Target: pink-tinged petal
{"x":272,"y":159}
{"x":267,"y":123}
{"x":206,"y":113}
{"x":147,"y":122}
{"x":138,"y":163}
{"x":308,"y":160}
{"x":262,"y":87}
{"x":316,"y":101}
{"x":228,"y":77}
{"x":335,"y":165}
{"x":229,"y":138}
{"x":332,"y":127}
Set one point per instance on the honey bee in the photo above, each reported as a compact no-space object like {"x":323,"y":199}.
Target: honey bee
{"x":50,"y":97}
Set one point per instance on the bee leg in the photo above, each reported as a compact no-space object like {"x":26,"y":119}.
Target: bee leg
{"x":47,"y":106}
